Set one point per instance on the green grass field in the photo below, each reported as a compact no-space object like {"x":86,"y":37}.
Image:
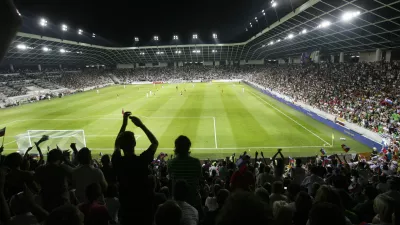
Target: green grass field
{"x":217,"y":123}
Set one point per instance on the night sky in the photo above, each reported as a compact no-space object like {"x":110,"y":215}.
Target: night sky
{"x":116,"y":23}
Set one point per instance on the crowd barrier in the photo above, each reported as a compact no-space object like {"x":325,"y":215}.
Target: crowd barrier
{"x":347,"y":131}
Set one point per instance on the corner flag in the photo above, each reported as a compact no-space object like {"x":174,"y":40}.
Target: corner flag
{"x":2,"y":132}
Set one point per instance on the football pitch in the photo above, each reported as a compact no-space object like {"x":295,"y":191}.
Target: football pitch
{"x":219,"y":118}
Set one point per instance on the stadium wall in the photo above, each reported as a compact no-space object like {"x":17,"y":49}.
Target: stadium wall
{"x":345,"y":130}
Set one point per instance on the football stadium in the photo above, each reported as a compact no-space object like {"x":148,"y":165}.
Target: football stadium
{"x":274,"y":112}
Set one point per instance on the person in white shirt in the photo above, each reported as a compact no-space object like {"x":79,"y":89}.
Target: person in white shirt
{"x":297,"y":173}
{"x":310,"y":180}
{"x":85,"y":174}
{"x":277,"y":193}
{"x":190,"y":215}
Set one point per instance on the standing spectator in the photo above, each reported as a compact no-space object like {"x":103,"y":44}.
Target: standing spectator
{"x":298,"y":173}
{"x":190,"y":215}
{"x":243,"y":179}
{"x":211,"y":216}
{"x":107,"y":169}
{"x":16,"y":178}
{"x":53,"y":180}
{"x":211,"y":201}
{"x":185,"y":167}
{"x":95,"y":212}
{"x":132,"y":172}
{"x":158,"y":198}
{"x":86,"y":174}
{"x":282,"y":213}
{"x":223,"y":171}
{"x":312,"y":179}
{"x":384,"y":207}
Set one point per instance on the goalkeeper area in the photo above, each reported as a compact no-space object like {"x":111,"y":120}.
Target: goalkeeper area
{"x":219,"y":118}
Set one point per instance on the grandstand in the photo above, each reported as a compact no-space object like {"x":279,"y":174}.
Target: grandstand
{"x":298,"y":124}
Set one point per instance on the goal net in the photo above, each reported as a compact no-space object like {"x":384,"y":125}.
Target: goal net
{"x":60,"y":138}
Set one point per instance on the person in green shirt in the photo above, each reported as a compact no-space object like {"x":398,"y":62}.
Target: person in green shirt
{"x":185,"y":167}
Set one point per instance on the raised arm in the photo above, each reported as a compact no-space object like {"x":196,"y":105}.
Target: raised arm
{"x":41,"y":158}
{"x":153,"y":140}
{"x":117,"y":151}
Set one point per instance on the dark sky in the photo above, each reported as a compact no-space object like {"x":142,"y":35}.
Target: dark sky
{"x":118,"y":22}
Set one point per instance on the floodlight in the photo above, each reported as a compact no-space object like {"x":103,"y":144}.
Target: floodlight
{"x":62,"y":50}
{"x":159,"y":53}
{"x":290,"y":36}
{"x":279,"y":40}
{"x":274,"y":4}
{"x":214,"y":51}
{"x":347,"y":16}
{"x":263,"y":46}
{"x":195,"y":36}
{"x":263,"y":11}
{"x":271,"y":43}
{"x":93,"y":35}
{"x":304,"y":31}
{"x":141,"y":53}
{"x":43,"y":22}
{"x":64,"y":27}
{"x":46,"y":49}
{"x":324,"y":24}
{"x":22,"y":46}
{"x":175,"y":37}
{"x":155,"y":38}
{"x":80,"y":32}
{"x":178,"y":52}
{"x":196,"y":51}
{"x":215,"y":36}
{"x":136,"y":39}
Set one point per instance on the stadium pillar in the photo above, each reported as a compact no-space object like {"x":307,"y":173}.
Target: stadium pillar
{"x":332,"y":59}
{"x":378,"y":55}
{"x":341,"y":58}
{"x":97,"y":66}
{"x":12,"y":67}
{"x":39,"y":67}
{"x":388,"y":55}
{"x":290,"y":60}
{"x":60,"y":66}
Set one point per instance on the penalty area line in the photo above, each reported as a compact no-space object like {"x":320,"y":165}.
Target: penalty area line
{"x":278,"y":110}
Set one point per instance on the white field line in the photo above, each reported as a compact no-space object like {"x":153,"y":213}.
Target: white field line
{"x":232,"y":148}
{"x":215,"y":133}
{"x":9,"y":142}
{"x":305,"y":128}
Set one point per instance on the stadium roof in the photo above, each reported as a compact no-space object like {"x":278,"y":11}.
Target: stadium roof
{"x":330,"y":26}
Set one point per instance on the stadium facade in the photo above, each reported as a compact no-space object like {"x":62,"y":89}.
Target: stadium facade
{"x":320,"y":30}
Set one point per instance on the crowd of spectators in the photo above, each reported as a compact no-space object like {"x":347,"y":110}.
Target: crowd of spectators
{"x":154,"y":188}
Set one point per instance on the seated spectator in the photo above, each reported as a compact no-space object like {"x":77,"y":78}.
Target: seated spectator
{"x":185,"y":167}
{"x":303,"y":206}
{"x":53,"y":180}
{"x":165,"y":191}
{"x":211,"y":201}
{"x":112,"y":202}
{"x":384,"y":207}
{"x":263,"y":194}
{"x":65,"y":215}
{"x":243,"y":208}
{"x":95,"y":213}
{"x":211,"y":216}
{"x":365,"y":209}
{"x":277,"y":193}
{"x":327,"y":214}
{"x":20,"y":208}
{"x":190,"y":215}
{"x":158,"y":198}
{"x":85,"y":174}
{"x":168,"y":213}
{"x":282,"y":213}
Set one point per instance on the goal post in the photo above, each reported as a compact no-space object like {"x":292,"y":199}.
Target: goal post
{"x":60,"y":138}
